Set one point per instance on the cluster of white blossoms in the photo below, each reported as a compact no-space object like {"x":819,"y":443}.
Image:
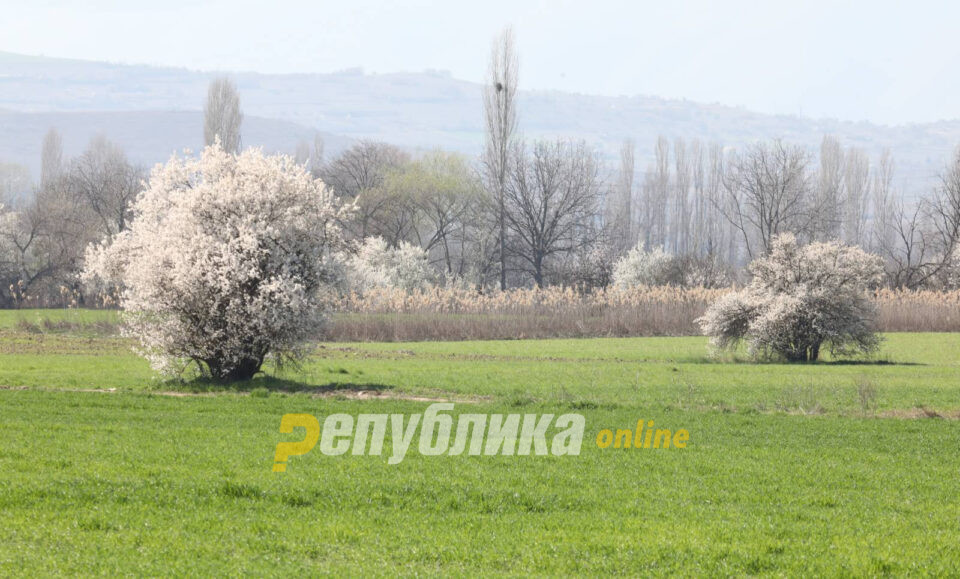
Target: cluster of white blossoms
{"x":378,"y":265}
{"x":227,"y":261}
{"x":644,"y":268}
{"x":657,"y":267}
{"x":953,"y":271}
{"x":800,"y":299}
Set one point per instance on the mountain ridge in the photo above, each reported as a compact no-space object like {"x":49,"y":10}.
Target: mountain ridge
{"x":432,"y":109}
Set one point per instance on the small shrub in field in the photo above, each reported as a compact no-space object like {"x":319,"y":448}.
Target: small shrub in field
{"x":867,"y":394}
{"x":225,"y":262}
{"x":801,"y":298}
{"x":804,"y":399}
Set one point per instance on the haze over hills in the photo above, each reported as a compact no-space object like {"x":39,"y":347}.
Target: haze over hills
{"x":147,"y":137}
{"x":152,"y":111}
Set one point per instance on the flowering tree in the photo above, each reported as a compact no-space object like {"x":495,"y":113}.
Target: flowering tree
{"x":800,"y":299}
{"x":377,"y":265}
{"x":225,"y":262}
{"x":658,"y":268}
{"x":649,"y":268}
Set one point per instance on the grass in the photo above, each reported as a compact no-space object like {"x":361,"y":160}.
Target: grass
{"x":809,"y":469}
{"x":72,"y":319}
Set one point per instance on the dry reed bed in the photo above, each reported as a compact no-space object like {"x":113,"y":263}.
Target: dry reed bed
{"x":458,"y":314}
{"x":918,"y":311}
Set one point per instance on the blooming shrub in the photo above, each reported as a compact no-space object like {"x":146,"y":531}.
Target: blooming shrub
{"x":645,"y":268}
{"x":800,"y":299}
{"x":953,"y":272}
{"x":225,"y":262}
{"x":659,"y":268}
{"x":377,"y":265}
{"x":707,"y":271}
{"x":587,"y":269}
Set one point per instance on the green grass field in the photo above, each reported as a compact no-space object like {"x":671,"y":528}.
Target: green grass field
{"x":827,"y":468}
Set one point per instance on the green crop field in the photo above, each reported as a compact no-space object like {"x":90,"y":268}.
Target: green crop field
{"x":828,"y":468}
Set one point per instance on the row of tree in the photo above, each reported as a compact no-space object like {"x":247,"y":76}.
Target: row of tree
{"x":526,"y":213}
{"x":713,"y":201}
{"x":81,"y":201}
{"x":699,"y":202}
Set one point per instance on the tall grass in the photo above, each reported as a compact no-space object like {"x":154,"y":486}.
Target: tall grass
{"x":461,"y":314}
{"x":458,"y":314}
{"x":918,"y":311}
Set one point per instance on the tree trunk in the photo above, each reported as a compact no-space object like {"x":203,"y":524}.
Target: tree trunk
{"x":243,"y":371}
{"x":503,"y":242}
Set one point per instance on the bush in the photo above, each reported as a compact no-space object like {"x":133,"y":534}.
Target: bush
{"x":707,"y":271}
{"x":588,"y":268}
{"x":377,"y":265}
{"x":799,"y":300}
{"x":646,"y":268}
{"x":659,"y":268}
{"x":225,"y":262}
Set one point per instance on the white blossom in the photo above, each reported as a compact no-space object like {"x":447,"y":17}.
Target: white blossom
{"x":644,"y":268}
{"x":226,"y":261}
{"x":800,"y":299}
{"x":377,"y":265}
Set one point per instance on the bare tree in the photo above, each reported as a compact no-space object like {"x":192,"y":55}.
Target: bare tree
{"x":500,"y":119}
{"x":908,"y":253}
{"x":361,"y":168}
{"x":357,"y":175}
{"x":41,"y":244}
{"x":105,"y":184}
{"x":830,"y":190}
{"x":768,"y":190}
{"x":302,"y":154}
{"x":655,"y":197}
{"x":222,"y":115}
{"x":661,"y":192}
{"x":698,"y":221}
{"x":22,"y":262}
{"x":620,"y":203}
{"x":43,"y":236}
{"x":14,"y":182}
{"x":920,"y":241}
{"x":438,"y":194}
{"x":680,"y":209}
{"x":723,"y":239}
{"x":51,"y":157}
{"x":882,"y":203}
{"x":856,"y":178}
{"x":552,"y":199}
{"x":944,"y":210}
{"x":316,"y":157}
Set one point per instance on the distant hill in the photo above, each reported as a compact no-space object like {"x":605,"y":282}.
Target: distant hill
{"x":147,"y":137}
{"x":415,"y":110}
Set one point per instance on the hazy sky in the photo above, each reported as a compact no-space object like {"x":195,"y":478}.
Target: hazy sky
{"x":883,"y":61}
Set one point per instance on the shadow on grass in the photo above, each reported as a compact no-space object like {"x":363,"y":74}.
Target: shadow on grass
{"x":866,"y":363}
{"x":266,"y":384}
{"x":814,"y":364}
{"x":739,"y":358}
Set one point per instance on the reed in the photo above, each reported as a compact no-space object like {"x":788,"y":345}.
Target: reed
{"x":460,"y":314}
